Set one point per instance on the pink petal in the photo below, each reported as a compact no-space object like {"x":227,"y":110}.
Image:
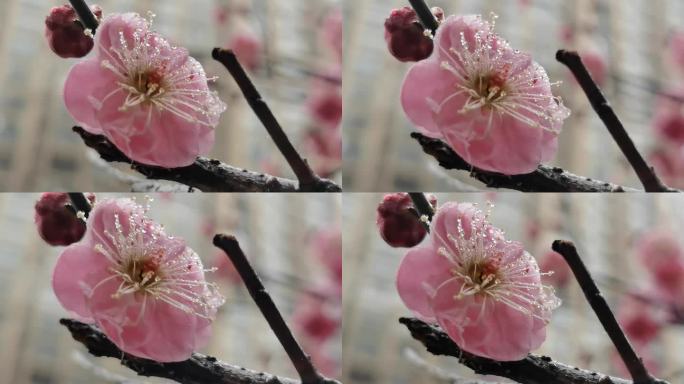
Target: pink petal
{"x":423,"y":82}
{"x":85,"y":87}
{"x":421,"y":271}
{"x":78,"y":269}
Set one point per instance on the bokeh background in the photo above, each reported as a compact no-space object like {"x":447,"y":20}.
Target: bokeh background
{"x":628,"y":39}
{"x":291,"y":259}
{"x":279,"y":40}
{"x":605,"y":229}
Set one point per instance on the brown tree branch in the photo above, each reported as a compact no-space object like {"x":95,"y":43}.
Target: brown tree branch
{"x":84,"y":13}
{"x":80,"y":203}
{"x":534,"y":369}
{"x":308,"y":180}
{"x":646,"y":173}
{"x":425,"y":15}
{"x":198,"y":369}
{"x":262,"y":299}
{"x":423,"y":207}
{"x":633,"y":362}
{"x":204,"y":174}
{"x":544,"y":179}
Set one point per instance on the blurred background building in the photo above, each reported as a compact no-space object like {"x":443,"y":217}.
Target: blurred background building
{"x":626,"y":41}
{"x":278,"y":41}
{"x":35,"y":348}
{"x":606,"y":230}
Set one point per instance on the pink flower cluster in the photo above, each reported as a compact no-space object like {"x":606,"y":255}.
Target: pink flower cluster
{"x":317,"y":317}
{"x":483,"y":290}
{"x":668,"y":120}
{"x":145,"y":95}
{"x":145,"y":289}
{"x":324,"y":104}
{"x":492,"y":104}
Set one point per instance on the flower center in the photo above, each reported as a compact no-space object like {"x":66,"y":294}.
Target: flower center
{"x":478,"y":278}
{"x":148,"y":83}
{"x":143,"y":274}
{"x":489,"y":88}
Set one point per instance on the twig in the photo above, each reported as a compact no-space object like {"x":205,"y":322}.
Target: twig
{"x":204,"y":174}
{"x":300,"y":360}
{"x":634,"y":364}
{"x":80,"y":203}
{"x":425,"y":15}
{"x":198,"y":369}
{"x":308,"y":180}
{"x":544,"y":179}
{"x":85,"y":14}
{"x":423,"y":208}
{"x":646,"y":174}
{"x":534,"y":369}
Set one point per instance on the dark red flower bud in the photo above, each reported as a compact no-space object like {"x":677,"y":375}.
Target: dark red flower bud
{"x":65,"y":34}
{"x":57,"y":224}
{"x":405,"y":36}
{"x":398,"y":222}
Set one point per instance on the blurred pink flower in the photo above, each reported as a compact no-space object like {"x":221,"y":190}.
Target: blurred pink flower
{"x":493,"y":105}
{"x":405,"y":36}
{"x":314,"y":320}
{"x":399,"y":226}
{"x":248,"y":48}
{"x":327,"y":248}
{"x":639,"y":321}
{"x":483,"y":290}
{"x":596,"y":65}
{"x":64,"y":33}
{"x":56,"y":223}
{"x":663,"y":256}
{"x":333,"y":31}
{"x":325,"y":148}
{"x":325,"y":104}
{"x":669,"y":117}
{"x":145,"y":289}
{"x":555,"y":268}
{"x":668,"y":162}
{"x":677,"y":48}
{"x":225,"y":268}
{"x":148,"y":97}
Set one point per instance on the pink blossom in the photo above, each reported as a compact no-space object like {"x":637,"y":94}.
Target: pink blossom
{"x":65,"y":34}
{"x":397,"y":221}
{"x":327,"y":248}
{"x":677,"y":48}
{"x":663,"y":256}
{"x":555,"y":268}
{"x":145,"y":289}
{"x":314,"y":320}
{"x":668,"y":120}
{"x":148,"y":97}
{"x":483,"y":290}
{"x":225,"y":268}
{"x":333,"y":31}
{"x":639,"y":321}
{"x":493,"y":105}
{"x":57,"y":224}
{"x":248,"y":48}
{"x":596,"y":65}
{"x":325,"y":148}
{"x":325,"y":104}
{"x":668,"y":162}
